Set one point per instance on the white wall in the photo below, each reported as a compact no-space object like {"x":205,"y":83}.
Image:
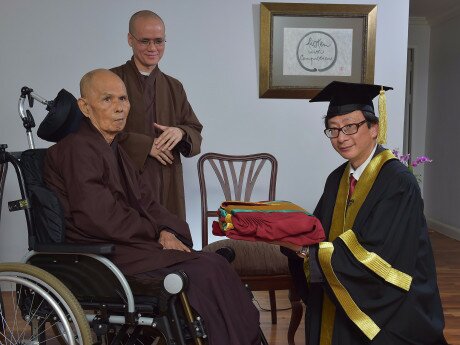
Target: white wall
{"x":441,"y":183}
{"x":213,"y":49}
{"x":419,"y":40}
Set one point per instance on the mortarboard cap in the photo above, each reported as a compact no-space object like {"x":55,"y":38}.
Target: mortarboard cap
{"x":345,"y":98}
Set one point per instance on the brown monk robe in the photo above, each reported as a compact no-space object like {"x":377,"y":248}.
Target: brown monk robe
{"x":161,"y":99}
{"x":105,"y":199}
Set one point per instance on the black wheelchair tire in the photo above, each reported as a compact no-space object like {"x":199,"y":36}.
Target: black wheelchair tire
{"x":58,"y":291}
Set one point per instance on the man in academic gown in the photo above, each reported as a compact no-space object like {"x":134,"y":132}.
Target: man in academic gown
{"x":159,"y":109}
{"x":374,"y":280}
{"x":106,"y":200}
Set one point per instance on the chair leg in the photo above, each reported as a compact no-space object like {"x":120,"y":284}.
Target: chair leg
{"x":271,"y":293}
{"x":263,"y":340}
{"x":296,"y":314}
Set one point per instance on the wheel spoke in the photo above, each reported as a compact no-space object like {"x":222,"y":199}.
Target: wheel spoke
{"x":39,"y":308}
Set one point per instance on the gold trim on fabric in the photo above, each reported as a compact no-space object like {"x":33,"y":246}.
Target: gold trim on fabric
{"x":375,"y":263}
{"x":364,"y":185}
{"x":343,"y":218}
{"x":228,"y":222}
{"x":359,"y":318}
{"x":328,"y":314}
{"x":327,"y":321}
{"x":340,"y":208}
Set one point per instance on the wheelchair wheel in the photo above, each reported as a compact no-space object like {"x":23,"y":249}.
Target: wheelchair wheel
{"x":36,"y":308}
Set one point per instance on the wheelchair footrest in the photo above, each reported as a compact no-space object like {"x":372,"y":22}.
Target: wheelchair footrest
{"x":198,"y":328}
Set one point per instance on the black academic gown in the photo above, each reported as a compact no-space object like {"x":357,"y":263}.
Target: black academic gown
{"x":402,"y":305}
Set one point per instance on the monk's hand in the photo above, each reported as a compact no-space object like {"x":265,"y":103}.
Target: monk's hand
{"x":169,"y":138}
{"x":169,"y":241}
{"x":164,"y":157}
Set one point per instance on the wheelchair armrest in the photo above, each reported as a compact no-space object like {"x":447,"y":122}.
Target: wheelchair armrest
{"x":73,"y":248}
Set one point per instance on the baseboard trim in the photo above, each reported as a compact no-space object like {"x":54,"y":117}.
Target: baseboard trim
{"x":444,"y":229}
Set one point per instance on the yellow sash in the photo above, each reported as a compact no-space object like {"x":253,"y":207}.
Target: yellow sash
{"x":343,"y":219}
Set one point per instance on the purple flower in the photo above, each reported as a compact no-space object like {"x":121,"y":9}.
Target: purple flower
{"x":405,"y":159}
{"x":420,"y":160}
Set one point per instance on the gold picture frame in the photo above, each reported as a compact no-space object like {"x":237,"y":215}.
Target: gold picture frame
{"x":303,"y":47}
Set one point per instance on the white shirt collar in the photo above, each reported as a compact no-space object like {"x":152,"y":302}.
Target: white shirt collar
{"x":358,"y":171}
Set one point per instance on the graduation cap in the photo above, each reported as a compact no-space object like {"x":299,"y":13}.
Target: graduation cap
{"x":345,"y":98}
{"x":64,"y":117}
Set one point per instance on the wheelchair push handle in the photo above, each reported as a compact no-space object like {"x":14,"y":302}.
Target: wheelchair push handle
{"x":26,"y":116}
{"x":31,"y":96}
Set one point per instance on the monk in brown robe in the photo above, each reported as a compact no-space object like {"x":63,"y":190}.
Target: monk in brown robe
{"x":159,"y":109}
{"x":106,"y":199}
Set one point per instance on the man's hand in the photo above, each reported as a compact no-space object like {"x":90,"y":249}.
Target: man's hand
{"x":169,"y":138}
{"x":301,"y":253}
{"x":164,"y":157}
{"x":169,"y":241}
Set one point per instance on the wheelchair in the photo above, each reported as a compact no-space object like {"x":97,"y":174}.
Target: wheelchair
{"x":65,"y":293}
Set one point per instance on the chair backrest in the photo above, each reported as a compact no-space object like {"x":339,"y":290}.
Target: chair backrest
{"x":237,"y":176}
{"x":3,"y":171}
{"x":47,"y":214}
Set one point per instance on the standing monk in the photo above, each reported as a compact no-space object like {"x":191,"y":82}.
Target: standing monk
{"x":374,"y":280}
{"x":159,"y":109}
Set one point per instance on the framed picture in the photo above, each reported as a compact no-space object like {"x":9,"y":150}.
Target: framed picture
{"x":303,"y":47}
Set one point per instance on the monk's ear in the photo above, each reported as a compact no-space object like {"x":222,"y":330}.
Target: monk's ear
{"x":130,"y":40}
{"x":84,"y":106}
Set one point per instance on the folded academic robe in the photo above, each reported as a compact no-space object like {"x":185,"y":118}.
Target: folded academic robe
{"x":268,"y":221}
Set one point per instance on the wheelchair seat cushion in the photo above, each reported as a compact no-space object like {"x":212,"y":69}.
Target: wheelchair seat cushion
{"x":254,"y":258}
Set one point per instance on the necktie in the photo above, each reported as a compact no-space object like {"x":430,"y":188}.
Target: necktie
{"x":353,"y":182}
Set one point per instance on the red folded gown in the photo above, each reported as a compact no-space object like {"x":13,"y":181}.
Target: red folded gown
{"x":268,"y":221}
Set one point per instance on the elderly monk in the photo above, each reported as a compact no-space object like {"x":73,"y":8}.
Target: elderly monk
{"x":105,"y":199}
{"x":159,"y":109}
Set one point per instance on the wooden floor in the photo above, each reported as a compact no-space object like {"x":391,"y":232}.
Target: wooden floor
{"x":447,"y":256}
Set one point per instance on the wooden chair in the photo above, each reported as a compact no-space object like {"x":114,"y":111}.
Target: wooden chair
{"x":260,"y":265}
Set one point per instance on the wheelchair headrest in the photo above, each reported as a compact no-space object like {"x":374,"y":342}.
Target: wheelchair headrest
{"x":64,"y":117}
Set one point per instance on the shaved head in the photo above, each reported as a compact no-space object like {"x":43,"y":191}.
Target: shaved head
{"x":104,"y":101}
{"x":144,"y":14}
{"x":88,"y":79}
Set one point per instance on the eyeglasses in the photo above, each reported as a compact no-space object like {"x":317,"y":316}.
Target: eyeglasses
{"x":349,"y":129}
{"x":157,"y":42}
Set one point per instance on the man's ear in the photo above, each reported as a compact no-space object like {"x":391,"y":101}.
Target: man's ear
{"x":130,"y":40}
{"x":374,"y":130}
{"x":83,"y":105}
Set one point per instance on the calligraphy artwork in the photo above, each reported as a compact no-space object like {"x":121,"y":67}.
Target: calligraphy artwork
{"x":305,"y":46}
{"x":322,"y":52}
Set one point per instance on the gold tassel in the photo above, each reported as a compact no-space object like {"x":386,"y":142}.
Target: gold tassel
{"x":382,"y":136}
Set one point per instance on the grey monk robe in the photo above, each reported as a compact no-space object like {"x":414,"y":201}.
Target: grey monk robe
{"x":105,"y":199}
{"x":162,"y":99}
